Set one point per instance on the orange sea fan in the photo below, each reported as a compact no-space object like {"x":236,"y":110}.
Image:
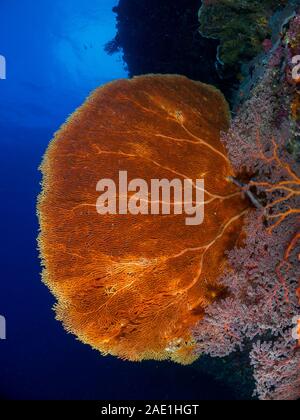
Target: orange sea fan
{"x":133,"y":286}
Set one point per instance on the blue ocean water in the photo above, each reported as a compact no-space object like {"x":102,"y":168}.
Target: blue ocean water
{"x":54,"y":56}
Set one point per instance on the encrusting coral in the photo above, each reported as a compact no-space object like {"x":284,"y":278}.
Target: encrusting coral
{"x":135,"y":285}
{"x":240,"y":25}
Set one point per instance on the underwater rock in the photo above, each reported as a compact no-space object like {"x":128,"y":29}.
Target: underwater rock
{"x":162,"y":37}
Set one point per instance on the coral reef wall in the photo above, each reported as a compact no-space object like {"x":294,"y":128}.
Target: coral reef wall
{"x":262,"y":310}
{"x":241,"y":26}
{"x":247,"y":48}
{"x":162,"y":37}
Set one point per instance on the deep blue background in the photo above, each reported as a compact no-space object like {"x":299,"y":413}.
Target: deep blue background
{"x":55,"y":57}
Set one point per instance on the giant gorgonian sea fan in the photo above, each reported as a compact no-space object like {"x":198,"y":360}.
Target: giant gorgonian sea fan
{"x":133,"y":285}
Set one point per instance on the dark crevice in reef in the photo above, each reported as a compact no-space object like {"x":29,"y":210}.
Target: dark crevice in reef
{"x":162,"y":36}
{"x":233,"y":371}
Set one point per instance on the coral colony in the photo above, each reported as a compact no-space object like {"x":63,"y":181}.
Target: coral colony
{"x":242,"y":26}
{"x":133,"y":285}
{"x":143,"y":286}
{"x":296,"y":68}
{"x":263,"y":274}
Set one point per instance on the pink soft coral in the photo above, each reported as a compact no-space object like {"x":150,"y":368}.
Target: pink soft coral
{"x":263,"y":273}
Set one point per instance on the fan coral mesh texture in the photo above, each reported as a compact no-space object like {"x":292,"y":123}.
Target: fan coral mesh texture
{"x":120,"y":286}
{"x":263,"y":273}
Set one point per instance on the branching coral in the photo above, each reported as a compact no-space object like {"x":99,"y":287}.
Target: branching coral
{"x":276,"y":177}
{"x":260,"y":302}
{"x":276,"y":366}
{"x":264,"y":272}
{"x":134,"y":285}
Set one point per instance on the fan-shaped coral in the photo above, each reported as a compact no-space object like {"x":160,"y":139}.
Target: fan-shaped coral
{"x":133,"y":286}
